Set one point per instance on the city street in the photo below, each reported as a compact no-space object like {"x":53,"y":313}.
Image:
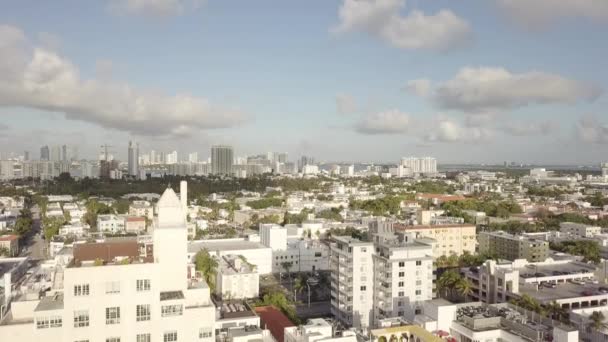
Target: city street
{"x":34,"y":245}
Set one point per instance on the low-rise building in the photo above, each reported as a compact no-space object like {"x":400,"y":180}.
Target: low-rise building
{"x":110,"y":223}
{"x":236,"y":278}
{"x":511,"y":247}
{"x":142,"y":208}
{"x":579,"y":230}
{"x":450,"y":239}
{"x":135,"y":224}
{"x":570,"y":283}
{"x":10,"y":243}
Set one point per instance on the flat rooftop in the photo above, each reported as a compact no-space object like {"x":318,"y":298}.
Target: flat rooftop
{"x":563,"y":291}
{"x":54,"y":302}
{"x":222,"y":245}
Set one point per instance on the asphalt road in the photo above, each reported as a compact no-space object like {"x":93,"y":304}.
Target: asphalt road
{"x":34,"y":245}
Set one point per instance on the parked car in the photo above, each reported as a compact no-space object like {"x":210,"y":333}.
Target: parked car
{"x":547,"y":284}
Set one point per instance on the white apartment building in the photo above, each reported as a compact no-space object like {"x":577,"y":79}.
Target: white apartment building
{"x":420,"y":165}
{"x":352,"y":281}
{"x":125,"y":297}
{"x":255,"y":252}
{"x":310,"y":169}
{"x":579,"y":230}
{"x":110,"y":223}
{"x":302,"y":254}
{"x":236,"y":278}
{"x":141,"y":208}
{"x":403,"y":277}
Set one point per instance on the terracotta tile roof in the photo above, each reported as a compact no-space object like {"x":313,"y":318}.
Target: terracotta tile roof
{"x":274,"y":320}
{"x":8,"y":237}
{"x":107,"y":251}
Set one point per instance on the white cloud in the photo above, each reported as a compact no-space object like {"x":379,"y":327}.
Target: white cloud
{"x":345,"y":104}
{"x":485,"y":89}
{"x":38,"y":78}
{"x":155,"y":8}
{"x":521,"y":128}
{"x":449,"y":131}
{"x":540,"y":13}
{"x":420,"y":87}
{"x":382,"y":18}
{"x":590,"y":130}
{"x":388,"y":122}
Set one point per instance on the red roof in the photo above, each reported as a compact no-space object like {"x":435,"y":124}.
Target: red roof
{"x":8,"y":237}
{"x":135,"y":219}
{"x":274,"y":320}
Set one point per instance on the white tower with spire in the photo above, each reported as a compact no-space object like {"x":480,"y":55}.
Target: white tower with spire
{"x":170,"y":241}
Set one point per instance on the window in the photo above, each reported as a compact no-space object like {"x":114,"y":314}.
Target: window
{"x":113,"y":339}
{"x":318,"y":254}
{"x":401,"y":263}
{"x":401,"y":274}
{"x":418,"y":262}
{"x":171,"y":310}
{"x":81,"y":290}
{"x":205,"y":333}
{"x":143,"y":312}
{"x":401,"y":294}
{"x":418,"y":282}
{"x":48,"y":322}
{"x":363,"y":288}
{"x":400,"y":284}
{"x":143,"y":338}
{"x":113,"y":315}
{"x":418,"y":292}
{"x":112,"y":287}
{"x":170,"y":336}
{"x":81,"y":318}
{"x":143,"y":285}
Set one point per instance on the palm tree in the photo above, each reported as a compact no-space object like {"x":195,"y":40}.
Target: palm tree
{"x":555,"y":311}
{"x":597,"y":320}
{"x":298,"y":286}
{"x":447,"y":281}
{"x":464,"y":287}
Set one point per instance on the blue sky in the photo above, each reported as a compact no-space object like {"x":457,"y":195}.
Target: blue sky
{"x":504,"y":80}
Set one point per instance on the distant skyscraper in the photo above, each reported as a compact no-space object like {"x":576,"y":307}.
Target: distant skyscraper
{"x":171,"y":158}
{"x":44,"y":153}
{"x":64,"y":153}
{"x":281,"y":157}
{"x":133,"y":157}
{"x":304,"y":160}
{"x":152,"y":157}
{"x":73,"y":152}
{"x":193,"y":157}
{"x":221,"y":160}
{"x":26,"y":155}
{"x":55,"y":153}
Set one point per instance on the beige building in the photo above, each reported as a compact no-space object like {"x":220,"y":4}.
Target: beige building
{"x":451,"y":238}
{"x":135,"y":224}
{"x":10,"y":243}
{"x":512,"y":247}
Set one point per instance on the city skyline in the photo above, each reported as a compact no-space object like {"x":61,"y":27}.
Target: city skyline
{"x":463,"y":82}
